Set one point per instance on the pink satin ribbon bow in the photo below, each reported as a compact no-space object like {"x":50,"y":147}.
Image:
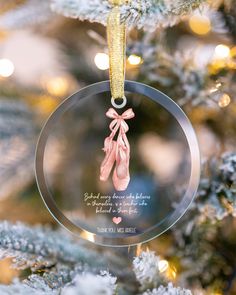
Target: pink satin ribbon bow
{"x":117,"y":151}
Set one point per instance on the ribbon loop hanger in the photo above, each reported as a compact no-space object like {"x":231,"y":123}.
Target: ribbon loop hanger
{"x":116,"y":36}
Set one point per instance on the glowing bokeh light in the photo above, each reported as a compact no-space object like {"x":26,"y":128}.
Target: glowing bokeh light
{"x":221,"y":51}
{"x":224,"y":100}
{"x":134,"y":60}
{"x":200,"y":24}
{"x":163,"y":265}
{"x":101,"y":61}
{"x":57,"y":86}
{"x":6,"y":68}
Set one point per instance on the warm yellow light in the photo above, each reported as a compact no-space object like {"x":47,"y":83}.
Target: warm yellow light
{"x":163,"y":265}
{"x":171,"y":273}
{"x":139,"y":249}
{"x":213,"y":90}
{"x":57,"y":86}
{"x":233,"y":51}
{"x":45,"y":103}
{"x":221,"y":51}
{"x":3,"y":35}
{"x":6,"y":68}
{"x":231,"y":65}
{"x":224,"y":101}
{"x":216,"y":88}
{"x":200,"y":24}
{"x":217,"y":65}
{"x":88,"y":236}
{"x":134,"y":60}
{"x":102,"y":61}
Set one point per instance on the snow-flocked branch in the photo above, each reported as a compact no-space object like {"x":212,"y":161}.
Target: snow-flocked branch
{"x":37,"y":247}
{"x":148,"y":14}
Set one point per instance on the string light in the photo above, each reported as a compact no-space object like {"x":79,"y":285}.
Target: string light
{"x":213,"y":90}
{"x":139,"y":249}
{"x":171,"y":273}
{"x":216,"y":88}
{"x":233,"y":51}
{"x":44,"y":103}
{"x":56,"y":86}
{"x":102,"y":61}
{"x":134,"y":59}
{"x":222,"y":51}
{"x":224,"y":100}
{"x":3,"y":35}
{"x":231,"y":65}
{"x":163,"y":265}
{"x":217,"y":65}
{"x":6,"y":68}
{"x":200,"y":24}
{"x":88,"y":236}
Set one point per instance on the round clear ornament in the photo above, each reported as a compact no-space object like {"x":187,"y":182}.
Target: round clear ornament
{"x":164,"y":166}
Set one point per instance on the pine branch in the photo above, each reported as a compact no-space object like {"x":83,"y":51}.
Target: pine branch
{"x":30,"y":12}
{"x":66,"y":266}
{"x":82,"y":284}
{"x":35,"y":285}
{"x":16,"y":146}
{"x":169,"y":290}
{"x":148,"y":14}
{"x":177,"y":74}
{"x":60,"y":260}
{"x":217,"y":193}
{"x":87,"y":283}
{"x":199,"y":241}
{"x":38,"y":248}
{"x":146,"y":269}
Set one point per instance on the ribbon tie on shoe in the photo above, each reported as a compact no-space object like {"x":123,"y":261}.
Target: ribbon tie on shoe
{"x":119,"y":120}
{"x":118,"y":150}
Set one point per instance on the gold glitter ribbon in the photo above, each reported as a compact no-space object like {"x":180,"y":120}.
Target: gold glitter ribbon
{"x":116,"y":37}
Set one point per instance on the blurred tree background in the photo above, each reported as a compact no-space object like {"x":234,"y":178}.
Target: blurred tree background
{"x":49,"y":50}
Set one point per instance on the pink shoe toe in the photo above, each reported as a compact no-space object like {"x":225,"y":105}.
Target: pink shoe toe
{"x":108,"y":162}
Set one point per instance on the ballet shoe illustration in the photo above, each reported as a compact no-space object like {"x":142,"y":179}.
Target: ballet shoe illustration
{"x":121,"y":176}
{"x":108,"y":161}
{"x":117,"y":152}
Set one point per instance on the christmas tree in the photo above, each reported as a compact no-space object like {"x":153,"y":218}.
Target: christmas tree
{"x":49,"y":50}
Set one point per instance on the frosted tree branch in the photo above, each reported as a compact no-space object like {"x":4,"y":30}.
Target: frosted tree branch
{"x":30,"y":12}
{"x":146,"y":269}
{"x":37,"y":247}
{"x":217,"y":193}
{"x":87,"y":283}
{"x":148,"y":14}
{"x":34,"y":285}
{"x":82,"y":284}
{"x":16,"y":146}
{"x":169,"y":290}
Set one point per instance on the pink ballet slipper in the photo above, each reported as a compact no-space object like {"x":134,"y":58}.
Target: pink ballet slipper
{"x":109,"y":160}
{"x":117,"y":151}
{"x":120,"y":184}
{"x":122,"y":162}
{"x":121,"y":176}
